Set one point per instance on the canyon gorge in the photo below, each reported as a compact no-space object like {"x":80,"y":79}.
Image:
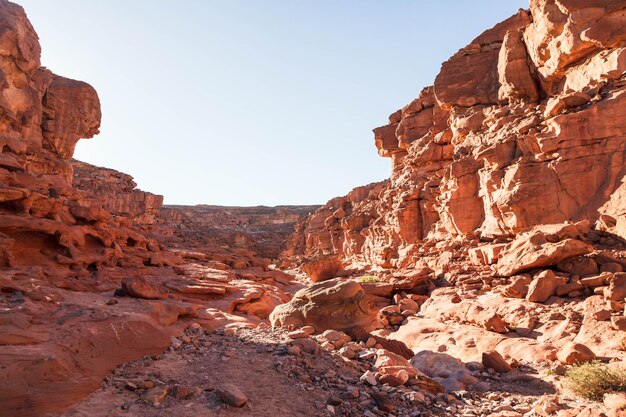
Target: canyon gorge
{"x":469,"y":283}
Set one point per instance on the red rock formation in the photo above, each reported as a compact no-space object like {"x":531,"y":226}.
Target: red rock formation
{"x":524,"y":127}
{"x":116,"y":193}
{"x":83,"y":288}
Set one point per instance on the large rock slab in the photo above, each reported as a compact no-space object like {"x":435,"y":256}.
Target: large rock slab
{"x":534,"y":250}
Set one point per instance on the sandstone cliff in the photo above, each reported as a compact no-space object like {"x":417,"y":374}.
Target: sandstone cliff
{"x":524,"y":126}
{"x":116,"y":193}
{"x":83,"y":286}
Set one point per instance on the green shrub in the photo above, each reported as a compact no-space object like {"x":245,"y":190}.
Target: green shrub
{"x":369,"y":278}
{"x":592,"y":380}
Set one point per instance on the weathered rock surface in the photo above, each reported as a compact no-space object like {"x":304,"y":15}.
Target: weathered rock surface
{"x":495,"y":246}
{"x":524,"y":127}
{"x":335,"y":304}
{"x":116,"y":193}
{"x":84,"y":284}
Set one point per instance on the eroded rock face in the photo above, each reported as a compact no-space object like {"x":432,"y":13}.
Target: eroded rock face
{"x":116,"y":193}
{"x":84,"y":284}
{"x":524,"y":127}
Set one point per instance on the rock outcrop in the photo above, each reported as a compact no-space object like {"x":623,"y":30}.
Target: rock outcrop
{"x":116,"y":193}
{"x":84,"y":284}
{"x":503,"y":220}
{"x":496,"y":246}
{"x":523,"y":127}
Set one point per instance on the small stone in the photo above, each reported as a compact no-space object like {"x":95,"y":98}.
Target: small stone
{"x":493,"y":360}
{"x":367,"y":354}
{"x":111,"y":301}
{"x":155,"y":395}
{"x":231,"y":394}
{"x":351,"y":393}
{"x":146,"y":384}
{"x":194,"y":326}
{"x":618,"y":323}
{"x":309,"y":330}
{"x":369,"y":377}
{"x":294,"y":350}
{"x":181,"y":392}
{"x":347,"y":352}
{"x":332,"y":400}
{"x":307,"y":345}
{"x":297,"y":334}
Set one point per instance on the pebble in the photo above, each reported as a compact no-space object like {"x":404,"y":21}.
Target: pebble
{"x":294,"y":350}
{"x":369,"y":377}
{"x":231,"y":394}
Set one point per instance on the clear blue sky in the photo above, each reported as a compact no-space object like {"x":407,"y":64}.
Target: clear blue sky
{"x":247,"y":102}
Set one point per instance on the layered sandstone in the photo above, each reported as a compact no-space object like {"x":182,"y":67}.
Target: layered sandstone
{"x":84,"y":286}
{"x":500,"y":232}
{"x":116,"y":193}
{"x":524,"y":126}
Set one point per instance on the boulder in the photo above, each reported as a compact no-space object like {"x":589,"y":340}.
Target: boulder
{"x":231,"y":394}
{"x":395,"y":366}
{"x":533,"y":250}
{"x":323,"y":268}
{"x":544,"y":286}
{"x":516,"y":80}
{"x":493,"y":360}
{"x":579,"y":265}
{"x":518,"y":288}
{"x":573,"y":353}
{"x":617,"y":287}
{"x":141,"y":287}
{"x":450,"y":372}
{"x":336,"y":304}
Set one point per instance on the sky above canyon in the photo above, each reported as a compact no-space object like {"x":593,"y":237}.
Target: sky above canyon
{"x":251,"y":102}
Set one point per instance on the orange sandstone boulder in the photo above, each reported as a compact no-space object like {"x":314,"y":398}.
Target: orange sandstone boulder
{"x":336,"y":304}
{"x":573,"y":353}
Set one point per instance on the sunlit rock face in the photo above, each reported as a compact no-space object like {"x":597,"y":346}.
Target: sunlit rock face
{"x":84,"y":284}
{"x":524,"y":126}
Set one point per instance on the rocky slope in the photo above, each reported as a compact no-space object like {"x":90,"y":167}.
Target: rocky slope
{"x":116,"y":193}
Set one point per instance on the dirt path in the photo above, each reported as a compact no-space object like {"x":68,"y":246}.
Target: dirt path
{"x":185,"y":380}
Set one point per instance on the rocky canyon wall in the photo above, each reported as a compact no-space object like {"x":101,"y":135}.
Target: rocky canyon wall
{"x":84,"y":283}
{"x":523,"y":127}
